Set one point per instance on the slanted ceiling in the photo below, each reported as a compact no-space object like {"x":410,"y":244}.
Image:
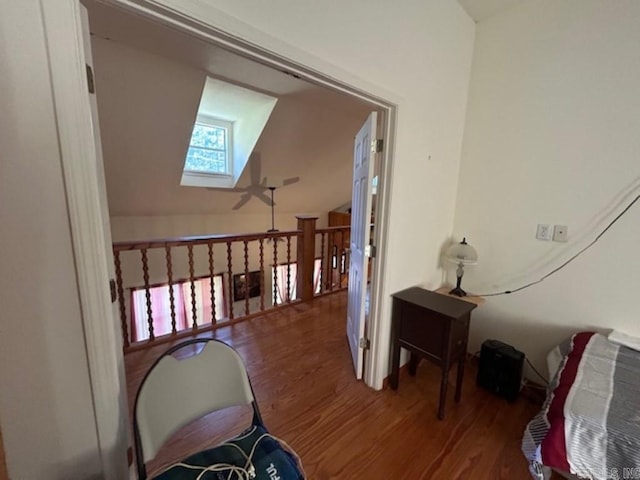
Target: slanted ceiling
{"x":481,"y":10}
{"x":147,"y":105}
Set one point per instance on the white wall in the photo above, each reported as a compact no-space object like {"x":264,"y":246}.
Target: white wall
{"x":552,"y":137}
{"x":46,"y":406}
{"x":128,"y":228}
{"x":420,"y":54}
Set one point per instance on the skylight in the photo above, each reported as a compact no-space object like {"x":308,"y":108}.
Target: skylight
{"x":229,"y":122}
{"x":210,"y":149}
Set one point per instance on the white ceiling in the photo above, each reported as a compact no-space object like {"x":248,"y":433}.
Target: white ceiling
{"x":111,"y":23}
{"x":480,"y":10}
{"x":229,"y":102}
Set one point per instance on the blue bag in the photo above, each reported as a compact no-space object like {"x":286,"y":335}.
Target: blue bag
{"x":252,"y":455}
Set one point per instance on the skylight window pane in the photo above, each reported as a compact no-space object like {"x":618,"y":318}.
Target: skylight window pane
{"x":209,"y":137}
{"x":205,"y":160}
{"x":210,"y":150}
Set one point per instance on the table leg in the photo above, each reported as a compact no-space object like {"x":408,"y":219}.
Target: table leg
{"x":395,"y":346}
{"x":459,"y":378}
{"x":395,"y":367}
{"x":413,"y":364}
{"x":444,"y":383}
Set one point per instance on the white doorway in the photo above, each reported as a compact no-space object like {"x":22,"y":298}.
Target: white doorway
{"x":140,"y":56}
{"x":64,"y":39}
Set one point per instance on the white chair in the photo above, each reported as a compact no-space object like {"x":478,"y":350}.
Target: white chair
{"x":175,"y":392}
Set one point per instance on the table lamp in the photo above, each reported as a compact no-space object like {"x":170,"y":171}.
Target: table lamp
{"x":461,"y":254}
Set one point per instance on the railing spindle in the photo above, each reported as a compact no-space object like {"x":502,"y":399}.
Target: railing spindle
{"x":246,"y":277}
{"x":145,"y":274}
{"x":211,"y":277}
{"x":340,"y":257}
{"x":194,"y":310}
{"x":230,"y":267}
{"x":334,"y":261}
{"x":289,"y":269}
{"x":172,"y":300}
{"x":322,"y":263}
{"x":261,"y":274}
{"x":347,"y":253}
{"x":275,"y":271}
{"x":121,"y":304}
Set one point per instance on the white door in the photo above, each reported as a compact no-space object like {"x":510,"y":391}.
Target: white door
{"x":112,"y":465}
{"x":102,"y":184}
{"x":363,"y":153}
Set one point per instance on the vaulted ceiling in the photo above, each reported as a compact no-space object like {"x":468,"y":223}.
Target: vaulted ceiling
{"x":149,"y":80}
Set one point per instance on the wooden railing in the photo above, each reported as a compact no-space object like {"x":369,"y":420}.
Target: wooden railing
{"x":334,"y":266}
{"x":189,"y":285}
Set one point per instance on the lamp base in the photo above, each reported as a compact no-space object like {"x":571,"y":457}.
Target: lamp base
{"x":458,"y":292}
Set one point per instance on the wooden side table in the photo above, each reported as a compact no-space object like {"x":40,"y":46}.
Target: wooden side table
{"x":434,"y":326}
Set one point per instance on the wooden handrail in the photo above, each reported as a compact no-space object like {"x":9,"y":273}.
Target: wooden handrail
{"x":199,"y":240}
{"x":339,"y":228}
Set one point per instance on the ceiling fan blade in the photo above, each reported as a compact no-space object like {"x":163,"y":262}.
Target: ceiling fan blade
{"x":243,"y":200}
{"x":265,"y":198}
{"x":289,"y":181}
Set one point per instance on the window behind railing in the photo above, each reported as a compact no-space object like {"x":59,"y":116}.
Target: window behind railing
{"x":285,"y":279}
{"x":172,"y":308}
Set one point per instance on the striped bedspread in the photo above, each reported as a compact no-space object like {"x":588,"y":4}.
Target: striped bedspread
{"x":590,"y":422}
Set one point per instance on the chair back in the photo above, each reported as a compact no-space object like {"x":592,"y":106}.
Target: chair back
{"x":175,"y":392}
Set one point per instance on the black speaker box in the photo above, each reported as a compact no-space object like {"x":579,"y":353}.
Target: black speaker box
{"x":500,"y":369}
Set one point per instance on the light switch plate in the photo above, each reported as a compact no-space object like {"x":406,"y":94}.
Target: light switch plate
{"x":544,"y":231}
{"x":560,"y":233}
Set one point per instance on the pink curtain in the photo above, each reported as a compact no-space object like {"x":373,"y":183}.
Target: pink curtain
{"x":280,"y":279}
{"x":183,"y":306}
{"x":160,"y":311}
{"x":317,"y":274}
{"x":202,"y":293}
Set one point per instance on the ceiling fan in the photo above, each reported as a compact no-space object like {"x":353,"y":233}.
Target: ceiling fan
{"x":273,"y":228}
{"x":259,"y":185}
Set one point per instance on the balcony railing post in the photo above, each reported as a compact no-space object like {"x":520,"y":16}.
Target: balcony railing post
{"x":306,"y":254}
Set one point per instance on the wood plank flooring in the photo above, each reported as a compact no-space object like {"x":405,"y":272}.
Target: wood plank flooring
{"x":301,"y":371}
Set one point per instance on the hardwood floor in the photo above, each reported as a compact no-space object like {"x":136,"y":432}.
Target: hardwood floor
{"x":301,"y":371}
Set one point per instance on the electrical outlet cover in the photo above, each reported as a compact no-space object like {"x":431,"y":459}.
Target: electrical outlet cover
{"x":560,"y":233}
{"x":544,"y":232}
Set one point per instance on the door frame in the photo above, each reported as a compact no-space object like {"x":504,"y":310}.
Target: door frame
{"x":64,"y":42}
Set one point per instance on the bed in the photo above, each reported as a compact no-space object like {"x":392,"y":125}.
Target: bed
{"x":589,"y":425}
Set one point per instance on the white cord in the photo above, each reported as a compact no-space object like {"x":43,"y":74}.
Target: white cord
{"x":248,"y":472}
{"x":218,"y":467}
